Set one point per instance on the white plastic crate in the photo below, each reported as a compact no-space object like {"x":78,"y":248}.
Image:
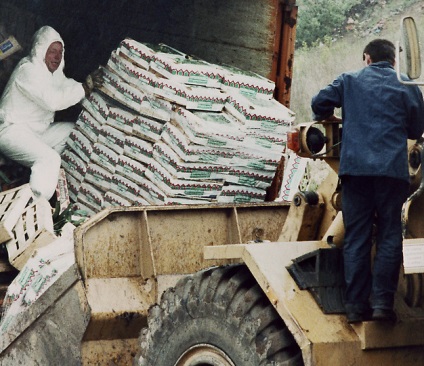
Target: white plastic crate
{"x":12,"y":204}
{"x":34,"y":229}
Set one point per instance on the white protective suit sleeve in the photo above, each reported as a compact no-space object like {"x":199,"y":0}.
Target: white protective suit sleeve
{"x":27,"y":108}
{"x":33,"y":94}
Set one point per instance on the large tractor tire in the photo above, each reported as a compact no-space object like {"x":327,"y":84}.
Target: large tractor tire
{"x":217,"y":317}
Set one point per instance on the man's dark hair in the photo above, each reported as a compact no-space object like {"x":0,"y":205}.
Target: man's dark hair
{"x":380,"y":50}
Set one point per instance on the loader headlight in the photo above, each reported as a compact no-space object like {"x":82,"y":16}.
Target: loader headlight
{"x":315,"y":140}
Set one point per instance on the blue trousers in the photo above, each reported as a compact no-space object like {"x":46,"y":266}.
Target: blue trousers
{"x":367,"y":200}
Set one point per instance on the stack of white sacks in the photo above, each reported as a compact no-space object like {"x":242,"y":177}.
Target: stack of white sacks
{"x":167,"y":128}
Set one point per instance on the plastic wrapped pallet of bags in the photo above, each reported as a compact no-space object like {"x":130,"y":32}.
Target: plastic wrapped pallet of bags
{"x":130,"y":169}
{"x":121,"y":120}
{"x":138,"y":149}
{"x":179,"y":187}
{"x":105,"y":157}
{"x":112,"y":199}
{"x":241,"y":194}
{"x":131,"y":97}
{"x":247,"y":83}
{"x":266,"y":115}
{"x":186,"y":69}
{"x":74,"y":165}
{"x":89,"y":126}
{"x":179,"y":169}
{"x":138,"y":53}
{"x":249,"y":178}
{"x":147,"y":128}
{"x":97,"y":106}
{"x":98,"y":176}
{"x":128,"y":190}
{"x":80,"y":144}
{"x":132,"y":74}
{"x":90,"y":196}
{"x":258,"y":160}
{"x":73,"y":187}
{"x":176,"y":139}
{"x":199,"y":132}
{"x":112,"y":138}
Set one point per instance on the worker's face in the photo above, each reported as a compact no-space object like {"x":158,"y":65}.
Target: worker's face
{"x":54,"y":56}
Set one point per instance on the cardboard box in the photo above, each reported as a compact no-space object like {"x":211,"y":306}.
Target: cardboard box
{"x":8,"y":47}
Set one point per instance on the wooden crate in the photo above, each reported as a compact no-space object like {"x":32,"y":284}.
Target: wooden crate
{"x":12,"y":204}
{"x":34,"y":229}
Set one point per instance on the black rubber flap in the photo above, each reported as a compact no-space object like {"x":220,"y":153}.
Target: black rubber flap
{"x":321,"y":273}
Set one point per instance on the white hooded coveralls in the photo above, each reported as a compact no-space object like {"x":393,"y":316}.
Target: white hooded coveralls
{"x":27,"y":107}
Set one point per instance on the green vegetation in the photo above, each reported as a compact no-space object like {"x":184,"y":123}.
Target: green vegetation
{"x":316,"y":65}
{"x":320,"y":20}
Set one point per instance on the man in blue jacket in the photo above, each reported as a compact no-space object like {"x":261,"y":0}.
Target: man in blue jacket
{"x":379,"y":114}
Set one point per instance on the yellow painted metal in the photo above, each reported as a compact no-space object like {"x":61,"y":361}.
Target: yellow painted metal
{"x":303,"y":220}
{"x":128,"y":256}
{"x":163,"y":240}
{"x":325,"y":339}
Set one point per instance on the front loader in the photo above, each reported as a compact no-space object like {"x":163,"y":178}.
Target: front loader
{"x":223,"y":285}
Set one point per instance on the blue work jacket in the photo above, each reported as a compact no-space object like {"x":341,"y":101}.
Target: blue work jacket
{"x":379,"y":114}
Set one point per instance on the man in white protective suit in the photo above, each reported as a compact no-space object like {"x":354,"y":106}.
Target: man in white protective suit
{"x":36,"y":90}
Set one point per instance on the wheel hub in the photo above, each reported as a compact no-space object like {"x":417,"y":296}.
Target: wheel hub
{"x":204,"y":355}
